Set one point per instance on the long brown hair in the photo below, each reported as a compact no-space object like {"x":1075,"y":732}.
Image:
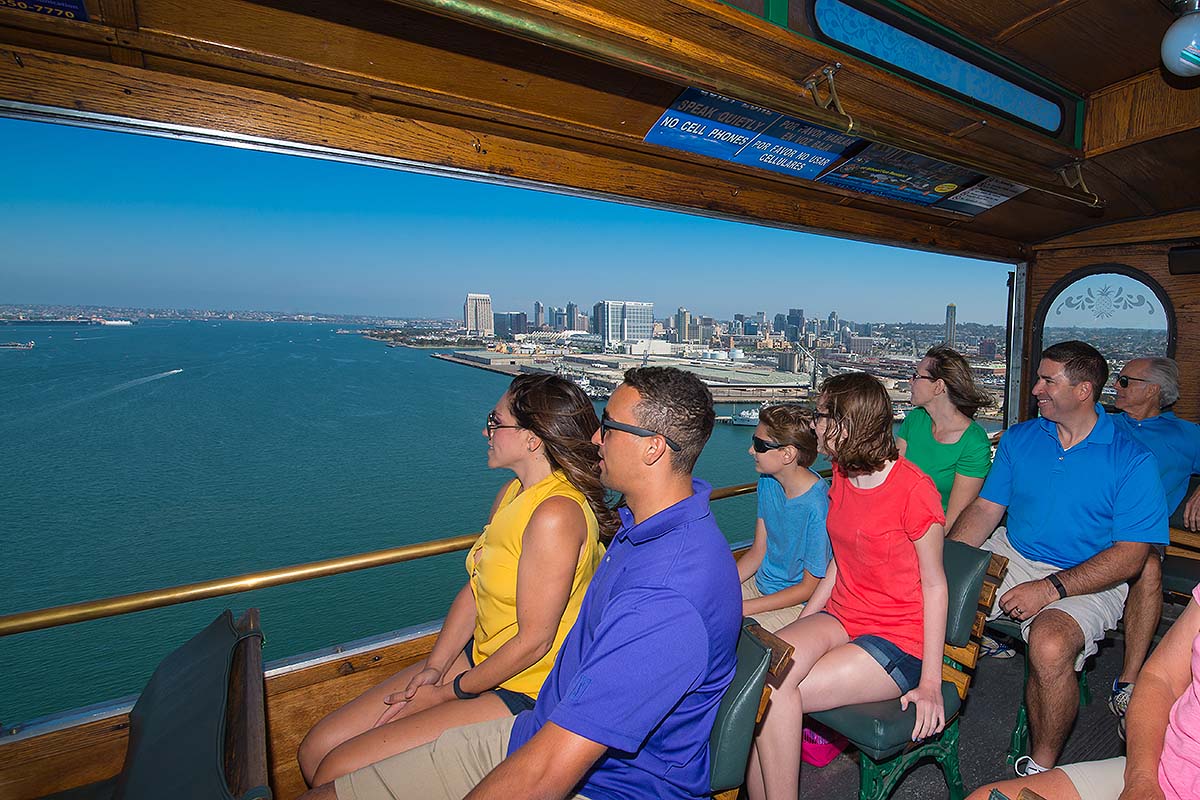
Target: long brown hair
{"x":562,"y":416}
{"x":949,"y":367}
{"x":859,"y":407}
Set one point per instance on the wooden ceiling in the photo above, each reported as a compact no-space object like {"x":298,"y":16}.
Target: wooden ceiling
{"x":1082,"y":45}
{"x":560,"y":94}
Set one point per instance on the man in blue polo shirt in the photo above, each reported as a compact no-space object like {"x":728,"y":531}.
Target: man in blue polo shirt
{"x":1084,"y":504}
{"x":628,"y":708}
{"x":1146,"y":389}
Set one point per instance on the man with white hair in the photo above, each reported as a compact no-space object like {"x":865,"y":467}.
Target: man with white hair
{"x":1146,"y":389}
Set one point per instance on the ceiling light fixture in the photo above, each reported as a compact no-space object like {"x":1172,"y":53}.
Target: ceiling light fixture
{"x":1181,"y":43}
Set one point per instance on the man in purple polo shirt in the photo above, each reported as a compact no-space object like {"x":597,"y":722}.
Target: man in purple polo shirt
{"x":627,"y":710}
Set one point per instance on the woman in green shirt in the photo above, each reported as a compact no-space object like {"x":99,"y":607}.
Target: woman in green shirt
{"x":940,"y":434}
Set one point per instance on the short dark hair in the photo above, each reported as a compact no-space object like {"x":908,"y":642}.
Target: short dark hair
{"x":1081,"y":362}
{"x":677,"y":404}
{"x":859,"y":406}
{"x":791,"y":424}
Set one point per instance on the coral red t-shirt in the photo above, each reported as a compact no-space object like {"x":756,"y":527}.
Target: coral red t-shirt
{"x":878,"y":585}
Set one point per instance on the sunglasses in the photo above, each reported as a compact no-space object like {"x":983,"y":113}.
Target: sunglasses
{"x":1123,"y":381}
{"x":762,"y":445}
{"x":493,"y":424}
{"x":916,"y":376}
{"x":607,"y":425}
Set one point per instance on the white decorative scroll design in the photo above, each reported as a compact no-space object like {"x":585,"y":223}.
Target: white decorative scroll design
{"x":1105,"y":301}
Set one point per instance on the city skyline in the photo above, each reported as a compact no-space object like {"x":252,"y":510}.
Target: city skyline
{"x":150,"y":222}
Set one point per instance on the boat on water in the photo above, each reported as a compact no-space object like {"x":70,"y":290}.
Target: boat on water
{"x":746,"y":111}
{"x":16,"y":345}
{"x":747,"y":416}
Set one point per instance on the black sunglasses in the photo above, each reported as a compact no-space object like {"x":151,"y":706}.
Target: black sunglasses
{"x":607,"y":425}
{"x":493,"y":424}
{"x":1123,"y":380}
{"x":916,"y":376}
{"x":762,"y":445}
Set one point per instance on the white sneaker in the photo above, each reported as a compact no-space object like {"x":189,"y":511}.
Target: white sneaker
{"x":1025,"y":766}
{"x":994,"y":648}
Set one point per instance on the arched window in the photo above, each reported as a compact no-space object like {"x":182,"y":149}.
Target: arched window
{"x":1121,"y":311}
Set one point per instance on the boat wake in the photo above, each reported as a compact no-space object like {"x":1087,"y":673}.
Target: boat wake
{"x":120,"y":388}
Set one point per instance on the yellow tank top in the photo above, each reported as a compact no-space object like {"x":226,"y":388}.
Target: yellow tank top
{"x":492,"y":567}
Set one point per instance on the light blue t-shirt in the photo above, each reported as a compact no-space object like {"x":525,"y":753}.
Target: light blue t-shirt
{"x":1065,"y":506}
{"x":1175,"y":444}
{"x":796,"y":536}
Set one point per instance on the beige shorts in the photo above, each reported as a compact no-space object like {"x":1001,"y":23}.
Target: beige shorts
{"x":1098,"y":780}
{"x":445,"y":769}
{"x":1095,"y":614}
{"x":770,"y":620}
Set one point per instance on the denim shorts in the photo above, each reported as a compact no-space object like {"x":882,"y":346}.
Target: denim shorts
{"x":903,"y":668}
{"x":515,"y":701}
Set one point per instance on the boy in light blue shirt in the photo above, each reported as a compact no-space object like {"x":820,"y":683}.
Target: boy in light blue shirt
{"x":791,"y":551}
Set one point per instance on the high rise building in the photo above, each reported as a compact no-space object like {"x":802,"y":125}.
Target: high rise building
{"x":572,"y":316}
{"x":624,"y":320}
{"x":832,"y":325}
{"x":510,"y":323}
{"x":683,"y":323}
{"x":539,"y":314}
{"x":781,"y":323}
{"x":987,"y":349}
{"x":951,"y":312}
{"x":477,"y":315}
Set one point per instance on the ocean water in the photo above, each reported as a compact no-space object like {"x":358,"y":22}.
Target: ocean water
{"x":167,"y":453}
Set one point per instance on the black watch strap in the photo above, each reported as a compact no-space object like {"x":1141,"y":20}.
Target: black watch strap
{"x":459,"y":692}
{"x":1057,"y":583}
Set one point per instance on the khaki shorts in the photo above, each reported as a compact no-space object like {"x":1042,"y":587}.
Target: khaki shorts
{"x":1098,"y":780}
{"x":770,"y":620}
{"x":1096,"y":614}
{"x":445,"y":769}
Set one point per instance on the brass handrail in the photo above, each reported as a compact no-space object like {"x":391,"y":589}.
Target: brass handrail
{"x":173,"y":595}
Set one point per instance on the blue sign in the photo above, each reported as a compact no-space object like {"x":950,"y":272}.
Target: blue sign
{"x":900,"y":175}
{"x":720,"y":127}
{"x":66,"y":9}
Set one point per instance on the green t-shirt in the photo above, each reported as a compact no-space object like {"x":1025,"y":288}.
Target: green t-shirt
{"x":971,"y":455}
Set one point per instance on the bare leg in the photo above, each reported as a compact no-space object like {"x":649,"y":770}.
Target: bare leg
{"x":1143,"y":608}
{"x":1052,"y":696}
{"x":356,"y":717}
{"x":406,"y":733}
{"x":1053,"y":784}
{"x":777,"y":745}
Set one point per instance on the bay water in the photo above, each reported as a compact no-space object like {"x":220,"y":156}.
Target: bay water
{"x":173,"y":452}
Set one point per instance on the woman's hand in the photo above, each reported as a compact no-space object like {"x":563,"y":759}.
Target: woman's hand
{"x":931,"y":711}
{"x":397,"y":702}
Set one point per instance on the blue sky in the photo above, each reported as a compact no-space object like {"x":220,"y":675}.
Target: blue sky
{"x":91,"y":217}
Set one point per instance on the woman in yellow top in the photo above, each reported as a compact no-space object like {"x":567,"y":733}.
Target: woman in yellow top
{"x":527,"y":575}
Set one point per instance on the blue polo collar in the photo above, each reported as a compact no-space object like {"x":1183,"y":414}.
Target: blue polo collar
{"x":687,"y":510}
{"x":1101,"y":433}
{"x":1157,"y":419}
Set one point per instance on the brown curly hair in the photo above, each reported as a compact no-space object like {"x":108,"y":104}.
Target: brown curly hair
{"x":562,"y":416}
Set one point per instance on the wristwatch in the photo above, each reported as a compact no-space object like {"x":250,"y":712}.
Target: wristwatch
{"x":461,"y":693}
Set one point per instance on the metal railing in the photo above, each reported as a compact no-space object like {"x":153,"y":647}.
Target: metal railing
{"x":173,"y":595}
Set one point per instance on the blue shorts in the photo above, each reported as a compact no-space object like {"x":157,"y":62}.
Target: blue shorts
{"x":902,"y":667}
{"x":514,"y":701}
